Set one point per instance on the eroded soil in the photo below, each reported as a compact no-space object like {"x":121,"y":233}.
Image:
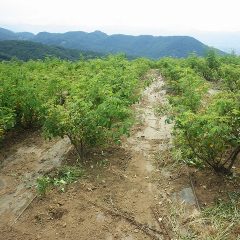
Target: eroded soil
{"x":21,"y":165}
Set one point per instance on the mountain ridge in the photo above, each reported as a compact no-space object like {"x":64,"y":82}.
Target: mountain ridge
{"x":137,"y":46}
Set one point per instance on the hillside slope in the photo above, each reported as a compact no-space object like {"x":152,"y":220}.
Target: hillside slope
{"x":7,"y":35}
{"x":26,"y":50}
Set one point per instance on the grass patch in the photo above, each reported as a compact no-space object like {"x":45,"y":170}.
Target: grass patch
{"x":219,"y":222}
{"x":224,"y":216}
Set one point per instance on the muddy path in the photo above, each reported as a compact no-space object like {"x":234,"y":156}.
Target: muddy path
{"x":129,"y":192}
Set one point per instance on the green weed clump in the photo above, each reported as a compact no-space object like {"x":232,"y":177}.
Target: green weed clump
{"x":64,"y":176}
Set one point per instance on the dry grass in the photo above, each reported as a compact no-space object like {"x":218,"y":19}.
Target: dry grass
{"x":216,"y":223}
{"x":221,"y":221}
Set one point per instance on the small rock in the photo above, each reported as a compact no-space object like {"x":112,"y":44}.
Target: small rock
{"x":60,"y":203}
{"x":195,"y":214}
{"x":136,"y":230}
{"x":64,"y":225}
{"x":43,"y":160}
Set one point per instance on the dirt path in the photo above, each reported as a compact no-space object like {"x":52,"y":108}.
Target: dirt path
{"x":125,"y":195}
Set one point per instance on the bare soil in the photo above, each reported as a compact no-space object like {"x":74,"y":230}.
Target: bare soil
{"x":132,"y":191}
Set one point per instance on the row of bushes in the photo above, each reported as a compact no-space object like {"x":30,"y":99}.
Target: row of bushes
{"x":88,"y":100}
{"x":207,"y":126}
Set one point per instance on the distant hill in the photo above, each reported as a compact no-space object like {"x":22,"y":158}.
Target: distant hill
{"x":25,"y":50}
{"x":143,"y":46}
{"x":136,"y":46}
{"x":7,"y":35}
{"x":24,"y":36}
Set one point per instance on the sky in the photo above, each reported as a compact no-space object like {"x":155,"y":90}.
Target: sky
{"x":155,"y":17}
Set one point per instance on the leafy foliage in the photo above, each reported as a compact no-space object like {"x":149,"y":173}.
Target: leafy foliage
{"x":88,"y":101}
{"x":7,"y":120}
{"x":207,"y":127}
{"x":63,"y":177}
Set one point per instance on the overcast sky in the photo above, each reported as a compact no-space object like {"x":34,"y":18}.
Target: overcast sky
{"x":157,"y":17}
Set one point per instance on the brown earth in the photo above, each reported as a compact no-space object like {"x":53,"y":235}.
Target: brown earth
{"x":133,"y":191}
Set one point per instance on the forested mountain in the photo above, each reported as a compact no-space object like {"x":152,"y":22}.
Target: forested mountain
{"x":138,"y":46}
{"x":25,"y":50}
{"x":7,"y":34}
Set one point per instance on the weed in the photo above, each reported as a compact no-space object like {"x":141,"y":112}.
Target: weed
{"x":64,"y":176}
{"x":103,"y":163}
{"x":179,"y":155}
{"x":70,"y":173}
{"x":161,"y":109}
{"x":157,"y":89}
{"x":224,"y":216}
{"x":219,"y":221}
{"x":43,"y":183}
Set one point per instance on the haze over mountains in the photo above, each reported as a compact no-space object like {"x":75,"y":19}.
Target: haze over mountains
{"x":99,"y":42}
{"x":225,"y":41}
